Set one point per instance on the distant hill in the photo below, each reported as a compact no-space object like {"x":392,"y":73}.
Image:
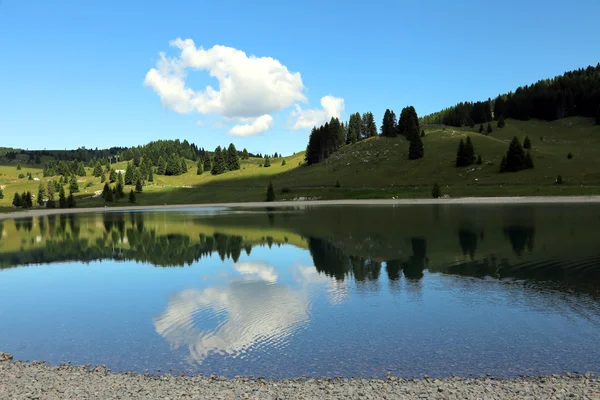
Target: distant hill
{"x":573,"y":94}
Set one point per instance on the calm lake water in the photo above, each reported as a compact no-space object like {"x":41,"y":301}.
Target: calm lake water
{"x":322,"y":291}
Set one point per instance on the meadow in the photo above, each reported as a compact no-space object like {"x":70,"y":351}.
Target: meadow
{"x":372,"y":169}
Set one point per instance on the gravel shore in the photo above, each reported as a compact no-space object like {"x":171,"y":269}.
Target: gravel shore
{"x":303,"y":203}
{"x":19,"y":380}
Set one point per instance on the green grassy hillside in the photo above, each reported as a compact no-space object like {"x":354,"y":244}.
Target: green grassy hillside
{"x":379,"y":168}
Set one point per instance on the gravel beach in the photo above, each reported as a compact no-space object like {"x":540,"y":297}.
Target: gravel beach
{"x":19,"y":380}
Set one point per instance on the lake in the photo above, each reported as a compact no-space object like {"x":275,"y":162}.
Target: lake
{"x":308,"y":291}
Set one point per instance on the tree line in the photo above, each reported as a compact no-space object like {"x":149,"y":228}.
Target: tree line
{"x":575,"y":93}
{"x":330,"y":137}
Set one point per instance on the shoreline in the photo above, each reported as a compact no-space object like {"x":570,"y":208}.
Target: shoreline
{"x":41,"y":380}
{"x":278,"y":204}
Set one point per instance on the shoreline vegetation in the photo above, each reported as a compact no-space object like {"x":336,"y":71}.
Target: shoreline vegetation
{"x":302,"y":203}
{"x":41,"y":380}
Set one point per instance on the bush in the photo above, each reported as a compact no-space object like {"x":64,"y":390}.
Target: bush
{"x":89,"y":184}
{"x":479,"y":160}
{"x":570,"y":155}
{"x":21,"y":176}
{"x":337,"y":184}
{"x":436,"y":192}
{"x":559,"y":180}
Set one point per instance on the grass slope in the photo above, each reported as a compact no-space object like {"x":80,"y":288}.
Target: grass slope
{"x":379,"y":168}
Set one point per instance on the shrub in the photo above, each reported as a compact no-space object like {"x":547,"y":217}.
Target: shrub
{"x":479,"y":160}
{"x":559,"y":180}
{"x":436,"y":192}
{"x":337,"y":184}
{"x":570,"y":155}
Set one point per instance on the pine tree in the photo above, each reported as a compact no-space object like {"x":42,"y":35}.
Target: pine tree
{"x":415,"y":148}
{"x":113,"y":175}
{"x":73,"y":185}
{"x":501,"y":122}
{"x":129,"y":174}
{"x":527,"y":143}
{"x":26,"y":200}
{"x":105,"y":191}
{"x":81,"y":169}
{"x":283,"y":162}
{"x":207,"y":163}
{"x":119,"y":192}
{"x":436,"y":192}
{"x":388,"y":126}
{"x":461,"y":159}
{"x":41,"y":194}
{"x":199,"y":168}
{"x":408,"y":125}
{"x":1,"y":194}
{"x":233,"y":162}
{"x":62,"y":198}
{"x":151,"y":174}
{"x":132,"y":196}
{"x":18,"y":166}
{"x":479,"y":160}
{"x":108,"y":197}
{"x":353,"y":132}
{"x":120,"y":179}
{"x":516,"y":159}
{"x":51,"y":203}
{"x":489,"y":128}
{"x":270,"y":192}
{"x":102,"y":178}
{"x":469,"y":151}
{"x":481,"y":128}
{"x":267,"y":162}
{"x":218,"y":162}
{"x":138,"y":186}
{"x":17,"y":200}
{"x":559,"y":180}
{"x":245,"y":155}
{"x":161,"y":167}
{"x":528,"y":160}
{"x":71,"y":201}
{"x":97,"y":170}
{"x":182,"y":166}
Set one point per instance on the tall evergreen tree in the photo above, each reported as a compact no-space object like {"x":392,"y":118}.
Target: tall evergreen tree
{"x":388,"y":126}
{"x":516,"y":159}
{"x":270,"y":192}
{"x":469,"y":151}
{"x":129,"y":174}
{"x":369,"y":124}
{"x":207,"y":164}
{"x":62,"y":198}
{"x":408,"y":124}
{"x":233,"y":162}
{"x":489,"y":128}
{"x":461,"y":158}
{"x":132,"y":196}
{"x":151,"y":174}
{"x":527,"y":143}
{"x":17,"y":200}
{"x":73,"y":185}
{"x":161,"y":166}
{"x":119,"y":191}
{"x":98,"y":171}
{"x":218,"y":162}
{"x":71,"y":201}
{"x":267,"y":162}
{"x":1,"y":193}
{"x":199,"y":167}
{"x":501,"y":122}
{"x":354,"y":126}
{"x":245,"y":154}
{"x":415,"y":148}
{"x":183,"y":166}
{"x":138,"y":186}
{"x":481,"y":128}
{"x":41,"y":194}
{"x":81,"y":169}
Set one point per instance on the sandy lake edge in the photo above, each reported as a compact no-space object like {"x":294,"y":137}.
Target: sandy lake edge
{"x":349,"y":202}
{"x":43,"y":381}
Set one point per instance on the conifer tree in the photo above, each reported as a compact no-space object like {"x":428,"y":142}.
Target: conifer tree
{"x":461,"y":159}
{"x":183,"y":166}
{"x":270,"y":192}
{"x":18,"y":166}
{"x":233,"y":162}
{"x":245,"y":155}
{"x":51,"y":203}
{"x":102,"y":178}
{"x":17,"y":200}
{"x":132,"y":196}
{"x":62,"y":198}
{"x":527,"y":143}
{"x":97,"y":170}
{"x":81,"y":169}
{"x":353,"y":133}
{"x":161,"y":168}
{"x":120,"y":178}
{"x":415,"y":148}
{"x":73,"y":185}
{"x":113,"y":175}
{"x":489,"y":128}
{"x":283,"y":162}
{"x":41,"y":194}
{"x":388,"y":126}
{"x":481,"y":128}
{"x":151,"y":174}
{"x":516,"y":159}
{"x":207,"y":163}
{"x":436,"y":192}
{"x":199,"y":169}
{"x":129,"y":174}
{"x":119,"y":192}
{"x":479,"y":160}
{"x":71,"y":201}
{"x":1,"y":194}
{"x":469,"y":151}
{"x":501,"y":122}
{"x":138,"y":186}
{"x":218,"y":162}
{"x":105,"y":190}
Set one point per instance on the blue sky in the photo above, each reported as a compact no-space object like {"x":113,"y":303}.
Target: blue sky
{"x":78,"y":73}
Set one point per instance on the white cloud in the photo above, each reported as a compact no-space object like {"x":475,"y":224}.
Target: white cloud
{"x":249,"y":86}
{"x":260,"y":125}
{"x":199,"y":123}
{"x":257,"y":270}
{"x":306,"y":119}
